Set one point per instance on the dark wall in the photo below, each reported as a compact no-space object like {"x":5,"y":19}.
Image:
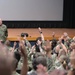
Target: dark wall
{"x":69,"y":13}
{"x":68,"y":19}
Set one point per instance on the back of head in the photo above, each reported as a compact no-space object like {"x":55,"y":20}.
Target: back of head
{"x":6,"y":58}
{"x":54,"y":43}
{"x":39,"y":38}
{"x":37,"y":54}
{"x":39,"y":60}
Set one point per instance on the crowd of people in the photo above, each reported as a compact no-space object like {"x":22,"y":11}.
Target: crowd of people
{"x":45,"y":57}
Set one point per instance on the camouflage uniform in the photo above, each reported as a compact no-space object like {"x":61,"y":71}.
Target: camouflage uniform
{"x":3,"y":32}
{"x":67,"y":42}
{"x":9,"y":48}
{"x":58,"y":65}
{"x":32,"y":73}
{"x":15,"y":73}
{"x":28,"y":48}
{"x":49,"y":63}
{"x":20,"y":64}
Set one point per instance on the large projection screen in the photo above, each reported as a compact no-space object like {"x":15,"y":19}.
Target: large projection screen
{"x":29,"y":10}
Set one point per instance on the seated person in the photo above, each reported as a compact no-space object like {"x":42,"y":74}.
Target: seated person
{"x":39,"y":66}
{"x":7,"y":60}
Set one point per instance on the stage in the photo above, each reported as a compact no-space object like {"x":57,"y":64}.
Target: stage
{"x":34,"y":33}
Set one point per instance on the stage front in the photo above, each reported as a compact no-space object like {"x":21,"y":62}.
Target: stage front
{"x":34,"y":33}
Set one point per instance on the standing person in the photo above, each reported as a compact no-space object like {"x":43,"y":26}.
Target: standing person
{"x":3,"y":31}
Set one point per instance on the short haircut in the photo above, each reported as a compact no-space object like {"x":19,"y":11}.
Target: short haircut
{"x":6,"y":59}
{"x":39,"y":60}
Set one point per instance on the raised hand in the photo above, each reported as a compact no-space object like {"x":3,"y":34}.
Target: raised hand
{"x":24,"y":37}
{"x":24,"y":54}
{"x":53,"y":34}
{"x":47,"y":45}
{"x":15,"y":43}
{"x":18,"y":37}
{"x":39,"y":29}
{"x":72,"y":45}
{"x":22,"y":48}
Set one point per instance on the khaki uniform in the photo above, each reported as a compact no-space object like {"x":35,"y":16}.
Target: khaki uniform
{"x":3,"y":32}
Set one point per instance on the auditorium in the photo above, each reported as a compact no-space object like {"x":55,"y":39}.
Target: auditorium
{"x":37,"y":37}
